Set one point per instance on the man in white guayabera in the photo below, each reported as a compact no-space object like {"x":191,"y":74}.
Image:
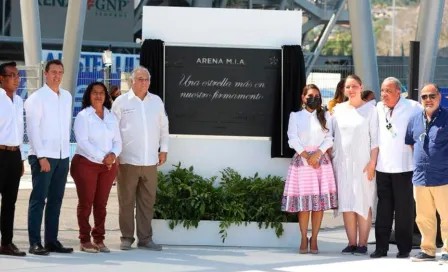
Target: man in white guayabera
{"x":394,"y":170}
{"x":144,"y":131}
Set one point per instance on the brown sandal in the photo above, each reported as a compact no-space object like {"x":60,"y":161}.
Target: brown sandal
{"x":88,"y":247}
{"x":102,"y":247}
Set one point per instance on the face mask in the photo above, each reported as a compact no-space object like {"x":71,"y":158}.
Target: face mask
{"x":114,"y":97}
{"x":313,"y":102}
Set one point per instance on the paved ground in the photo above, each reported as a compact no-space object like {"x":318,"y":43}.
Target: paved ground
{"x":177,"y":258}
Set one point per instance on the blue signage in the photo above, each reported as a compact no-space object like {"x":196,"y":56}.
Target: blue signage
{"x":91,"y":69}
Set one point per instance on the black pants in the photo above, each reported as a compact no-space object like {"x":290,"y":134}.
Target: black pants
{"x":395,"y":194}
{"x":10,"y":172}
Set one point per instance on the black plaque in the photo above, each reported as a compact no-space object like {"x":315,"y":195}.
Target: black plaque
{"x":221,"y":91}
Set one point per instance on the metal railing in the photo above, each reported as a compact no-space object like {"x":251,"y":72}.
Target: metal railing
{"x":325,"y":77}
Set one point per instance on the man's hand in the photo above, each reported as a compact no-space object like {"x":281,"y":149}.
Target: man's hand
{"x":162,"y":158}
{"x":44,"y":165}
{"x":23,"y":168}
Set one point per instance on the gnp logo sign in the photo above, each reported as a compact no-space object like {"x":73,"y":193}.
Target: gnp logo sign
{"x":106,"y":20}
{"x":113,"y":8}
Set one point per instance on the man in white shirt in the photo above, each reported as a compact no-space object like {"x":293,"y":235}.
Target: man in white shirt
{"x":11,"y":154}
{"x":394,"y":171}
{"x":144,"y":132}
{"x":48,"y":116}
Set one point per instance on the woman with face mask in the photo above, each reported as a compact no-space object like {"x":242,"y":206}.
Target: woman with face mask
{"x":310,"y":186}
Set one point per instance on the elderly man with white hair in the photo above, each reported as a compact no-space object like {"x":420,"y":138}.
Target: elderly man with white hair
{"x":144,"y":132}
{"x":394,"y":170}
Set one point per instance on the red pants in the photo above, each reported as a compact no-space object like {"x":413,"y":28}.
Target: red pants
{"x":93,"y":183}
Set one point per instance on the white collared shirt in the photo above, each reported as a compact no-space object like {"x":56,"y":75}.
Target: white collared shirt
{"x":48,"y":122}
{"x":96,"y":137}
{"x":304,"y":130}
{"x":11,"y":121}
{"x":143,"y":126}
{"x":394,"y":155}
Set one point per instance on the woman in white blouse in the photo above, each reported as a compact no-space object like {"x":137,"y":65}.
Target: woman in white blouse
{"x":355,"y":151}
{"x":310,"y":185}
{"x":93,"y":167}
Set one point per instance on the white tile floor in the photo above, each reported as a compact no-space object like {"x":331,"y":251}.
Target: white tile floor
{"x":173,"y":259}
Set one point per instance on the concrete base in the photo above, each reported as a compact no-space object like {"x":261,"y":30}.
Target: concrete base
{"x":250,"y":235}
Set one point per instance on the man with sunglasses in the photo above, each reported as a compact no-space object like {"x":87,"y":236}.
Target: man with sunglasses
{"x":427,"y":133}
{"x":394,"y":171}
{"x":11,"y":155}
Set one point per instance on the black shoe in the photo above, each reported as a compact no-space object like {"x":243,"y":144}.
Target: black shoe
{"x":348,"y":250}
{"x":58,"y":248}
{"x":422,"y":257}
{"x":402,"y":255}
{"x":38,"y":249}
{"x":361,"y":250}
{"x":11,"y":250}
{"x":378,"y":253}
{"x":444,"y":259}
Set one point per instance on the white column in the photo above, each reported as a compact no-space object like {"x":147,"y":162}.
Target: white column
{"x":74,"y":30}
{"x":363,"y":43}
{"x":32,"y":44}
{"x":428,"y":33}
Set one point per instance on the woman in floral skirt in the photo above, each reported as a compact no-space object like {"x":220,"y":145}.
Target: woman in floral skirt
{"x":310,"y":185}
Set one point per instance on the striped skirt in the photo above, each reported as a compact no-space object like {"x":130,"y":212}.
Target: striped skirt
{"x":309,"y":189}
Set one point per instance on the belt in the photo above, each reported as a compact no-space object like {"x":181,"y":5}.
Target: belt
{"x":9,"y":148}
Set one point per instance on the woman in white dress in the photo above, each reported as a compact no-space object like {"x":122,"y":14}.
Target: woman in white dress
{"x":355,"y":151}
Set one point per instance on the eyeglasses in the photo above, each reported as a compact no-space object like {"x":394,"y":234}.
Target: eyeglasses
{"x":426,"y":96}
{"x":141,"y":79}
{"x":14,"y":76}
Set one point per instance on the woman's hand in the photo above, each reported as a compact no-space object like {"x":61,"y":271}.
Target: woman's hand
{"x":109,"y":159}
{"x":370,"y":170}
{"x":313,"y":160}
{"x":305,"y":155}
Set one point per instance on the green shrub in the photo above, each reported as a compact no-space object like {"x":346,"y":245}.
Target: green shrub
{"x":186,"y":198}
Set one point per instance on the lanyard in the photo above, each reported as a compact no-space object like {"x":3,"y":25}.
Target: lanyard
{"x":428,"y":124}
{"x":389,"y":124}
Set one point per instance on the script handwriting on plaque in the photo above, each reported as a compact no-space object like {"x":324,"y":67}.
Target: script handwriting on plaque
{"x":212,"y":89}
